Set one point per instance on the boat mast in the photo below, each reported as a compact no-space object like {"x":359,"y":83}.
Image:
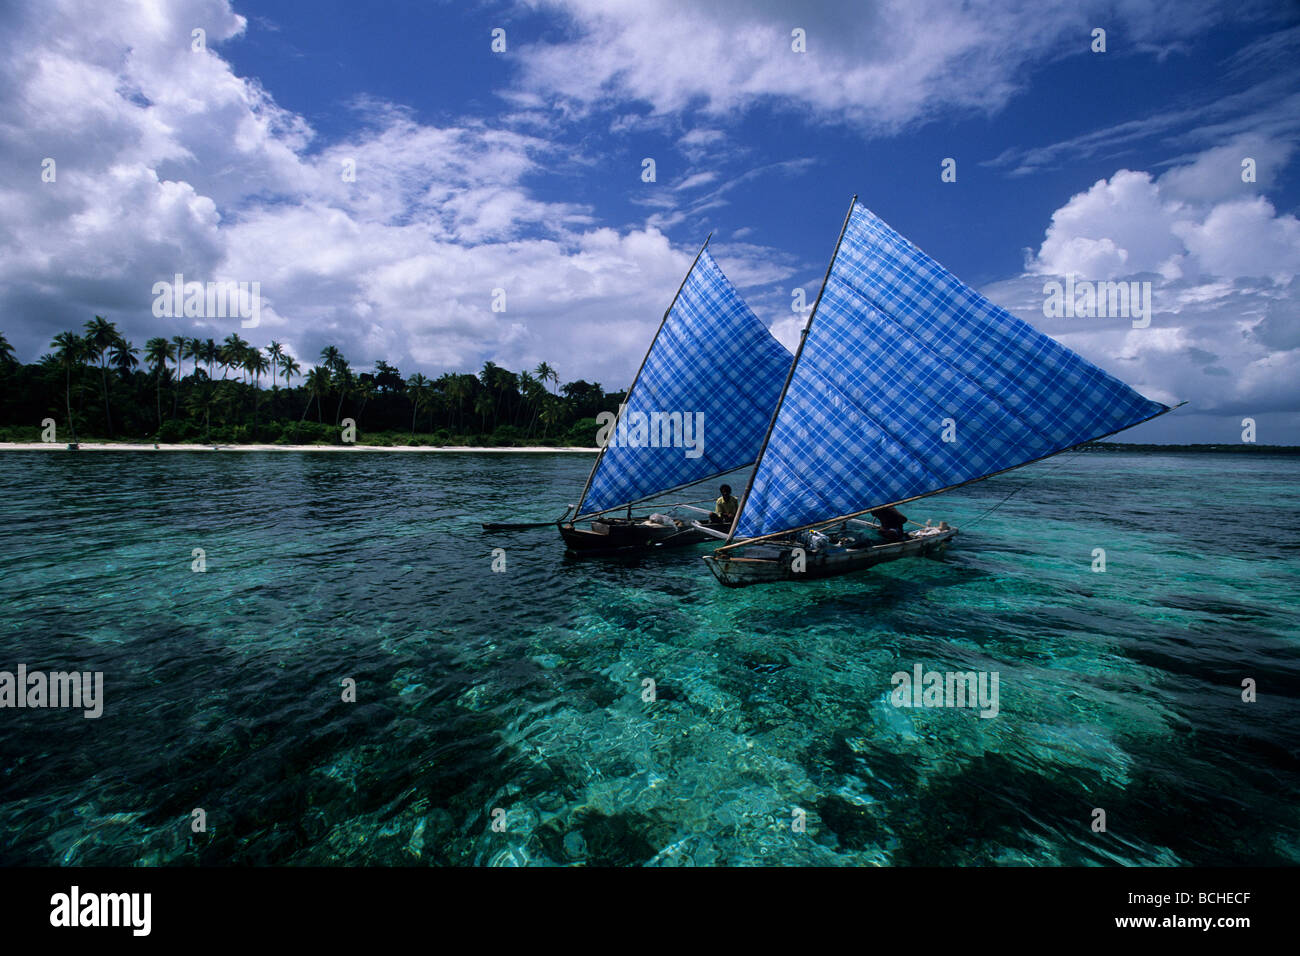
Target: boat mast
{"x":803,"y":337}
{"x":628,"y":397}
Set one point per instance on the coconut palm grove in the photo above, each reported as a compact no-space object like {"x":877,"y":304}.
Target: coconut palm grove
{"x":98,"y":386}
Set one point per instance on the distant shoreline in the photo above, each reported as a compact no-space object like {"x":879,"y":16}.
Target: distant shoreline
{"x":150,"y":446}
{"x":1230,"y":449}
{"x":1235,"y":448}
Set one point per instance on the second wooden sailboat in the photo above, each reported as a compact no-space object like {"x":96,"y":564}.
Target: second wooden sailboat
{"x":697,"y":409}
{"x":906,"y":383}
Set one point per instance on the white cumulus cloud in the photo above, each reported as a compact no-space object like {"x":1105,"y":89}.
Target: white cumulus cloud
{"x":167,"y":162}
{"x":1224,"y":333}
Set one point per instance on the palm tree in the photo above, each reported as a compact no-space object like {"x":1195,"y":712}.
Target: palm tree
{"x":364,"y":390}
{"x":418,"y":389}
{"x":196,"y":353}
{"x":387,"y":378}
{"x":545,"y":373}
{"x":508,"y":383}
{"x":71,"y":350}
{"x":332,"y":360}
{"x":289,"y":368}
{"x":157,"y":352}
{"x":533,"y":391}
{"x":232,"y":352}
{"x":318,"y":386}
{"x":552,"y":414}
{"x":343,"y":382}
{"x":483,"y":405}
{"x":499,"y":383}
{"x":180,"y":352}
{"x":239,"y":354}
{"x":226,"y":399}
{"x":100,"y":336}
{"x":8,"y":360}
{"x":211,"y":353}
{"x":123,"y":355}
{"x":274,"y":352}
{"x":200,"y":400}
{"x":256,"y":363}
{"x":458,"y":389}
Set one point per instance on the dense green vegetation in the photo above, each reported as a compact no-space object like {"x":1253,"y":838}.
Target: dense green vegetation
{"x":1240,"y":448}
{"x":97,"y":386}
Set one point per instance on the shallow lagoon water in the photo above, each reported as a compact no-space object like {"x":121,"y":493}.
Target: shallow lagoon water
{"x":521,"y":691}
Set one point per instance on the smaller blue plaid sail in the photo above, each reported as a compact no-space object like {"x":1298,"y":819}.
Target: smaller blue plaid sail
{"x":910,"y":382}
{"x":703,"y":400}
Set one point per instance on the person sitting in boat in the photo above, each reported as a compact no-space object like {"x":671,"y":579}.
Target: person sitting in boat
{"x":891,"y":523}
{"x":724,"y":509}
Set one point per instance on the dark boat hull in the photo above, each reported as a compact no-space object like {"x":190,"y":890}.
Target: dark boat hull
{"x":767,"y":563}
{"x":623,"y":535}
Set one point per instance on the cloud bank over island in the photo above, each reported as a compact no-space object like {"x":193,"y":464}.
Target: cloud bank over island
{"x":167,"y":160}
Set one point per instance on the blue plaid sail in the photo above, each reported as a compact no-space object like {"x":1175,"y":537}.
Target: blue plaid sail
{"x":705,"y":396}
{"x":900,"y":352}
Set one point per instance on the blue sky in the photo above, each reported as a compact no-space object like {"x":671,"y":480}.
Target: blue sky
{"x":436,"y":59}
{"x":521,"y":170}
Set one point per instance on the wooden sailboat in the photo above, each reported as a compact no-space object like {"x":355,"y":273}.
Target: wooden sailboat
{"x":607,"y":535}
{"x":697,"y":409}
{"x":906,"y":383}
{"x":792,"y":558}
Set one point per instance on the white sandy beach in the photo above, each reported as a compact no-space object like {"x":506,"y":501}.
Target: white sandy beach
{"x":128,"y":446}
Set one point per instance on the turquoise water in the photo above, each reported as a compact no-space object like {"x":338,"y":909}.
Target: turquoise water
{"x":521,"y":690}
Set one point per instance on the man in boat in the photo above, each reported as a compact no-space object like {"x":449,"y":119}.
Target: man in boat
{"x":891,"y":523}
{"x":724,"y":509}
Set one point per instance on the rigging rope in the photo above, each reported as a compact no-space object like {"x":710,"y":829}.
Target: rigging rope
{"x":1078,"y":449}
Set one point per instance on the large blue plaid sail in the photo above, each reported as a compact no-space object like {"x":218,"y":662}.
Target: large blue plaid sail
{"x":910,"y":382}
{"x":702,"y":401}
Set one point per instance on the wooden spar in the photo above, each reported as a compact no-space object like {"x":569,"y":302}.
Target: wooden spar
{"x":712,"y":532}
{"x":517,"y":525}
{"x":937,"y":491}
{"x":521,"y":525}
{"x":577,"y":511}
{"x":803,"y":337}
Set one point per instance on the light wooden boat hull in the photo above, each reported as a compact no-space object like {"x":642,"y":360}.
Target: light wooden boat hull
{"x":767,"y":562}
